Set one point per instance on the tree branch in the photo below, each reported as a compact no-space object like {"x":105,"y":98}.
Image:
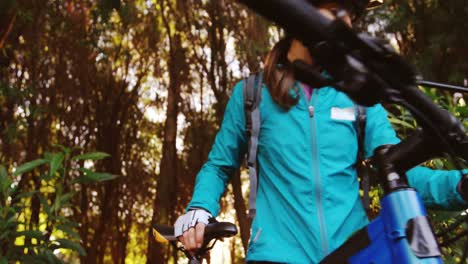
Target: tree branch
{"x":8,"y":30}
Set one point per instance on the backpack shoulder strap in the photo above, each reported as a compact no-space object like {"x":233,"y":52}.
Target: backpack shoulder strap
{"x":362,"y":169}
{"x":252,"y":97}
{"x":361,"y":117}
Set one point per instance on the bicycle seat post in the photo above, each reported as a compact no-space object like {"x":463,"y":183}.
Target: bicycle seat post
{"x":389,"y":177}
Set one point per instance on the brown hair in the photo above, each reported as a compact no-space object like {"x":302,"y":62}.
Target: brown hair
{"x":278,"y":75}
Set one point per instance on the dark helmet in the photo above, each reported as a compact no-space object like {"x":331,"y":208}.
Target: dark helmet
{"x":357,"y":6}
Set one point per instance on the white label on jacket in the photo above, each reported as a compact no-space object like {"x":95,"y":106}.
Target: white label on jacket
{"x":343,"y":113}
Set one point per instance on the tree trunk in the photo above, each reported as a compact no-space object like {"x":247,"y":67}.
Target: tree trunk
{"x":108,"y":141}
{"x":166,"y":195}
{"x":38,"y":126}
{"x":167,"y":181}
{"x":83,"y":231}
{"x":233,"y":252}
{"x":241,"y":211}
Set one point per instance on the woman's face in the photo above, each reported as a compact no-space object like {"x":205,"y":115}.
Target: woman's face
{"x":331,"y":10}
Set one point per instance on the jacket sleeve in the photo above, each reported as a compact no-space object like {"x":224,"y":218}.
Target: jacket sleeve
{"x":438,"y":188}
{"x":225,"y":156}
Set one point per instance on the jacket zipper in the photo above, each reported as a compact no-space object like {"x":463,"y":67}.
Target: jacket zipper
{"x":316,"y":172}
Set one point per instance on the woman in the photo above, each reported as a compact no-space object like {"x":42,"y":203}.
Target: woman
{"x":307,"y":201}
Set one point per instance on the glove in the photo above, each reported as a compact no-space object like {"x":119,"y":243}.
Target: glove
{"x":191,"y":219}
{"x":463,"y":187}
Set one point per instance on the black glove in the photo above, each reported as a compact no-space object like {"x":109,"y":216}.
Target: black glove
{"x":463,"y":187}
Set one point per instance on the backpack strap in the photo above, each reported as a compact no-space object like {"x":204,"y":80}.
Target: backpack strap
{"x":252,"y":96}
{"x":362,"y":169}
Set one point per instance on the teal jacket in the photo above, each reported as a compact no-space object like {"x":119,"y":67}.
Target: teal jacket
{"x":308,"y":194}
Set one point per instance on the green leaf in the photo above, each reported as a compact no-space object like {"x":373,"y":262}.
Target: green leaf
{"x":33,"y":258}
{"x":69,"y":230}
{"x":11,"y":221}
{"x":463,"y":110}
{"x":48,"y":155}
{"x":402,"y":123}
{"x":25,"y":195}
{"x":64,"y":198}
{"x":61,"y":200}
{"x":3,"y":260}
{"x":45,"y":203}
{"x":9,"y":225}
{"x":65,"y":243}
{"x":56,"y":163}
{"x":91,"y":156}
{"x":3,"y":172}
{"x":5,"y":234}
{"x":30,"y":234}
{"x":5,"y":181}
{"x":51,"y":258}
{"x":63,"y":148}
{"x":29,"y":166}
{"x":91,"y":176}
{"x":64,"y":220}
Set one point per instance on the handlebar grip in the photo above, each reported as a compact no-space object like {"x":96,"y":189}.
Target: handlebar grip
{"x":219,"y":230}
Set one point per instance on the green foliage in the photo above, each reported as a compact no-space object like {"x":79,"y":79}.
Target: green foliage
{"x":421,"y":29}
{"x":29,"y":166}
{"x":90,"y":176}
{"x":57,"y":230}
{"x":91,"y":156}
{"x":453,"y":241}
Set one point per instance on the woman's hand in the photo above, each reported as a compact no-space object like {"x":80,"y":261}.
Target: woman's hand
{"x":190,"y":228}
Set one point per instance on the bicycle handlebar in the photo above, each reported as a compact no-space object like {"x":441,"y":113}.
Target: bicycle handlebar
{"x":217,"y":230}
{"x":366,"y":69}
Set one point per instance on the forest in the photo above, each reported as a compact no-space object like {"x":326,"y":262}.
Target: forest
{"x":109,"y":108}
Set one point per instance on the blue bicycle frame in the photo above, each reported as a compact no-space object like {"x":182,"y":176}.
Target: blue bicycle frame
{"x":403,"y":228}
{"x":401,"y":233}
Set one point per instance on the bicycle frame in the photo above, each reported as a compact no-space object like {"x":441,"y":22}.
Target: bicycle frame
{"x":400,"y":234}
